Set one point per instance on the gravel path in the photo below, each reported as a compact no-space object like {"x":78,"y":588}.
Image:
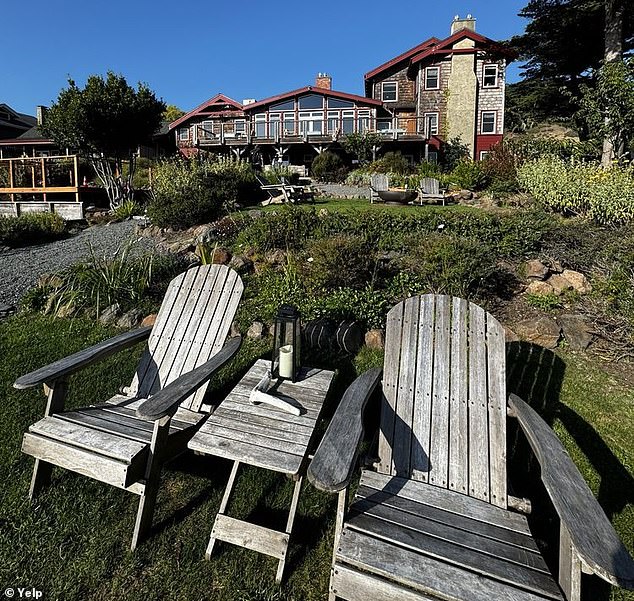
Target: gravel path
{"x":20,"y":268}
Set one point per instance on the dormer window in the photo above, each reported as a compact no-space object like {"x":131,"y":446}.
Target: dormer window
{"x":490,"y":76}
{"x":389,"y":91}
{"x":432,"y":78}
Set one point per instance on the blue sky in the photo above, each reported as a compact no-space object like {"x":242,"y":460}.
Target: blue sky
{"x":190,"y":50}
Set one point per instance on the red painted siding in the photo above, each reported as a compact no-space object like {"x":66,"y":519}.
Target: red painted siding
{"x":486,"y":142}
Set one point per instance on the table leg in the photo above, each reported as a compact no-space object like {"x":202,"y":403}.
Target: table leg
{"x":223,"y":506}
{"x":289,"y":526}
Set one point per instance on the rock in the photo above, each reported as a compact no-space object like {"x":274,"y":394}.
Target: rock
{"x":200,"y":232}
{"x":221,"y":256}
{"x":149,"y":320}
{"x":576,"y":330}
{"x":465,"y":195}
{"x":559,"y":283}
{"x":535,"y":270}
{"x":130,"y":319}
{"x":510,"y":335}
{"x":543,"y":331}
{"x":65,"y":310}
{"x":109,"y":314}
{"x":181,"y":247}
{"x":255,"y":213}
{"x":241,"y":264}
{"x":234,"y":330}
{"x":275,"y":257}
{"x":375,"y":339}
{"x":539,"y":287}
{"x":257,"y":330}
{"x":577,"y":280}
{"x":555,"y":266}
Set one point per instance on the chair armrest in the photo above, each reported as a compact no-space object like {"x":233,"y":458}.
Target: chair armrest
{"x":335,"y":459}
{"x":166,"y":401}
{"x":73,"y":363}
{"x":592,"y":535}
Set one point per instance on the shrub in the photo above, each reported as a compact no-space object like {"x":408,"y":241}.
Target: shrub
{"x":30,"y":228}
{"x":446,"y":265}
{"x":586,"y":189}
{"x":469,"y":175}
{"x":501,"y":172}
{"x":392,"y":162}
{"x":187,"y":193}
{"x":544,"y":302}
{"x":276,"y":174}
{"x":453,"y":151}
{"x":328,"y":167}
{"x":126,"y":210}
{"x":340,"y":261}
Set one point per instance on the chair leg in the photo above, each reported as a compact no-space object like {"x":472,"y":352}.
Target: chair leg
{"x":289,"y":527}
{"x":41,"y":478}
{"x":342,"y":508}
{"x":152,"y":480}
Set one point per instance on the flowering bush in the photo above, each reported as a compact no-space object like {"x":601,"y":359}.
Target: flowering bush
{"x":586,"y":189}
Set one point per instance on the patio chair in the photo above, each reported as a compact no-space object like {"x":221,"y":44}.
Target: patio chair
{"x":435,"y":520}
{"x":430,"y":191}
{"x":278,"y":193}
{"x":125,"y":441}
{"x":378,"y":182}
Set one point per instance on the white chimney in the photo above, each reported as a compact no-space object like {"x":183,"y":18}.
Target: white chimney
{"x":248,"y":101}
{"x":458,"y":24}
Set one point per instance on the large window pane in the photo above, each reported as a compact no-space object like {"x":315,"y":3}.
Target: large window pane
{"x":311,"y":101}
{"x":389,"y":91}
{"x":338,"y":103}
{"x":287,"y":105}
{"x":348,"y":125}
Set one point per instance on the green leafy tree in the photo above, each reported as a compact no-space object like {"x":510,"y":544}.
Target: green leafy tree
{"x":172,"y":113}
{"x":106,"y":122}
{"x":607,"y":108}
{"x":564,"y":40}
{"x":362,"y":147}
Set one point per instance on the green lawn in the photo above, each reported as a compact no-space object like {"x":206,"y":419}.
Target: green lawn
{"x":72,"y":543}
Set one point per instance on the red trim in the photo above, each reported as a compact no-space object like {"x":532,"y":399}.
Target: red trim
{"x":304,"y":90}
{"x":25,"y":142}
{"x":486,"y":142}
{"x":401,"y":57}
{"x":218,"y":98}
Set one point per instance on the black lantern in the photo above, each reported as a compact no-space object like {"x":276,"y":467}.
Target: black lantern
{"x":287,"y":336}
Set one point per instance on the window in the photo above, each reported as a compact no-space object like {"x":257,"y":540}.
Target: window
{"x":183,"y":133}
{"x":389,"y":91}
{"x":311,"y":123}
{"x":384,"y":125}
{"x":333,"y":122}
{"x":488,"y":122}
{"x":484,"y":154}
{"x":274,"y":125}
{"x":240,"y":126}
{"x":260,"y":125}
{"x":311,"y":101}
{"x":206,"y":132}
{"x":337,"y":103}
{"x":432,"y":78}
{"x":289,"y":124}
{"x":432,"y":156}
{"x":288,"y":105}
{"x":490,"y":76}
{"x":430,"y":121}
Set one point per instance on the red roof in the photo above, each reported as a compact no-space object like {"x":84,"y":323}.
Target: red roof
{"x":304,"y":90}
{"x":401,"y":57}
{"x":434,"y":46}
{"x":218,"y":99}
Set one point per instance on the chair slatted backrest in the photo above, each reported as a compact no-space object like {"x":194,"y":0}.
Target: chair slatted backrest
{"x":378,"y":181}
{"x":191,"y":326}
{"x":443,"y":414}
{"x":430,"y":185}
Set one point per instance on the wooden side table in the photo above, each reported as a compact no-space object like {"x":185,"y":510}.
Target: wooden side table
{"x":266,"y":437}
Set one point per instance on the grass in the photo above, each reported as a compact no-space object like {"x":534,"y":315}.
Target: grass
{"x":72,"y":543}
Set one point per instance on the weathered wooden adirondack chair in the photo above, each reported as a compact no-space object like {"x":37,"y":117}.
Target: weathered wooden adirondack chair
{"x":434,"y":521}
{"x":378,"y":182}
{"x":430,"y":191}
{"x":125,"y":441}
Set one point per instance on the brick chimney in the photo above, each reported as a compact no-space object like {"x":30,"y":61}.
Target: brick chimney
{"x":323,"y":80}
{"x":468,"y":22}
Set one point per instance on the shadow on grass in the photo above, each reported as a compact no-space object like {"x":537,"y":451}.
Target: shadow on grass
{"x":536,"y":375}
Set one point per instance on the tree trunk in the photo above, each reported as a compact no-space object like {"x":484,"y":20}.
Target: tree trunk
{"x":119,"y":189}
{"x":614,"y":14}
